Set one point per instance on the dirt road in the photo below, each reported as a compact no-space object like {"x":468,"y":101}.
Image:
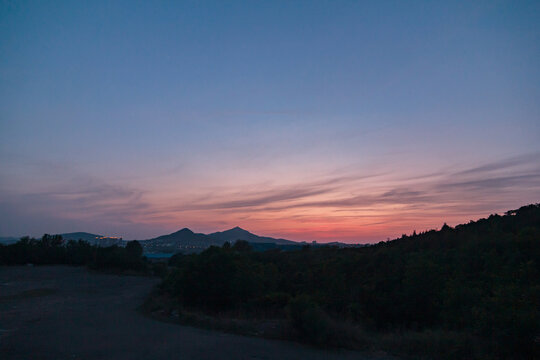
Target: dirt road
{"x":58,"y":312}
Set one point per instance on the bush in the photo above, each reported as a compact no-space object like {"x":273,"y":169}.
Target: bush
{"x":310,"y":321}
{"x":160,"y":269}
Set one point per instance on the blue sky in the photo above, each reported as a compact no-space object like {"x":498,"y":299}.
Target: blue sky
{"x":336,"y":120}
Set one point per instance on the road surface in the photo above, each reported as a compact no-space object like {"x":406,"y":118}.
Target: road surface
{"x":60,"y":312}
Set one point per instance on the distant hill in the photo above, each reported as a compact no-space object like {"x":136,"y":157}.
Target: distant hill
{"x":6,"y":240}
{"x":186,"y":236}
{"x":187,"y":241}
{"x":182,"y":240}
{"x":80,"y":236}
{"x":93,"y":239}
{"x":238,"y":233}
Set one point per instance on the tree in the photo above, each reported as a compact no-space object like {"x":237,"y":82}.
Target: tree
{"x":134,"y":248}
{"x":241,"y":246}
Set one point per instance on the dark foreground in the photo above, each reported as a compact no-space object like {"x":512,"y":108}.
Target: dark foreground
{"x":60,"y":312}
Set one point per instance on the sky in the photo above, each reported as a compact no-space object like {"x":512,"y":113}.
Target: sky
{"x":309,"y":120}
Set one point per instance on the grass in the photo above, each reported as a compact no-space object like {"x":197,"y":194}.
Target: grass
{"x":314,"y":327}
{"x":322,"y":331}
{"x":161,"y":307}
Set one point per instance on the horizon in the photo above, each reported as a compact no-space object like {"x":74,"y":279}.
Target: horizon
{"x":261,"y":235}
{"x":308,"y":121}
{"x":138,"y":239}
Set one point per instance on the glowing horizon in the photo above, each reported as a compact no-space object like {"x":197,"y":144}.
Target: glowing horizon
{"x":347,"y":208}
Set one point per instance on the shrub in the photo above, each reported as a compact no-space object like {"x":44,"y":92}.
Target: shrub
{"x":160,"y":269}
{"x":310,"y":321}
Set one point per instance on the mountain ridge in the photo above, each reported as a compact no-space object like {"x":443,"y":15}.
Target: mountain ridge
{"x":187,"y":240}
{"x":80,"y":235}
{"x":237,"y":233}
{"x":93,"y":239}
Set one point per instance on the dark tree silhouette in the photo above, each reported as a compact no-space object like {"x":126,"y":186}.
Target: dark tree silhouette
{"x":134,"y":248}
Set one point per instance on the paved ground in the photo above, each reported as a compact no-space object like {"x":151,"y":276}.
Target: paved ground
{"x":58,"y":312}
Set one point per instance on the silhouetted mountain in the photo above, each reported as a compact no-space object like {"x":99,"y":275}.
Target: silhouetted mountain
{"x":187,"y":241}
{"x":184,"y":239}
{"x":93,"y":239}
{"x":185,"y":236}
{"x":238,"y":233}
{"x":80,"y":236}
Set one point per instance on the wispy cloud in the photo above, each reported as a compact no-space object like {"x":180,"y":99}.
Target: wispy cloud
{"x":488,"y":184}
{"x":355,"y":206}
{"x":265,"y":195}
{"x":512,"y":162}
{"x":388,"y":199}
{"x":75,"y":199}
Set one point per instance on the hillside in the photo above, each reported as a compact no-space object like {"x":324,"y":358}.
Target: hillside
{"x":93,"y":239}
{"x":183,"y":240}
{"x":238,"y":233}
{"x":466,"y":292}
{"x":81,"y":236}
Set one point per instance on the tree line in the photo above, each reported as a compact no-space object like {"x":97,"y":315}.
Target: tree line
{"x":52,"y":249}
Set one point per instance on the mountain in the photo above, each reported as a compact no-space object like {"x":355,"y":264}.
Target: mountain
{"x":238,"y":233}
{"x":93,"y":239}
{"x":80,"y":236}
{"x":187,"y":241}
{"x":186,"y":236}
{"x":184,"y":239}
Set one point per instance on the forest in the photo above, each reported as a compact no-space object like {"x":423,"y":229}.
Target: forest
{"x":472,"y":291}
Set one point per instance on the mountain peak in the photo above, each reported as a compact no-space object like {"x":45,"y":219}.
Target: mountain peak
{"x":184,"y":231}
{"x":80,"y":235}
{"x":237,"y":233}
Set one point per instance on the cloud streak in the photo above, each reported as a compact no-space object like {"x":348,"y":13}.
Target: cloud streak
{"x":76,"y":199}
{"x":354,"y":207}
{"x":381,"y":202}
{"x":441,"y":188}
{"x":503,"y":164}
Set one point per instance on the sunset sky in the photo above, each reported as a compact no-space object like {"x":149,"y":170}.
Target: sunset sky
{"x":317,"y":120}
